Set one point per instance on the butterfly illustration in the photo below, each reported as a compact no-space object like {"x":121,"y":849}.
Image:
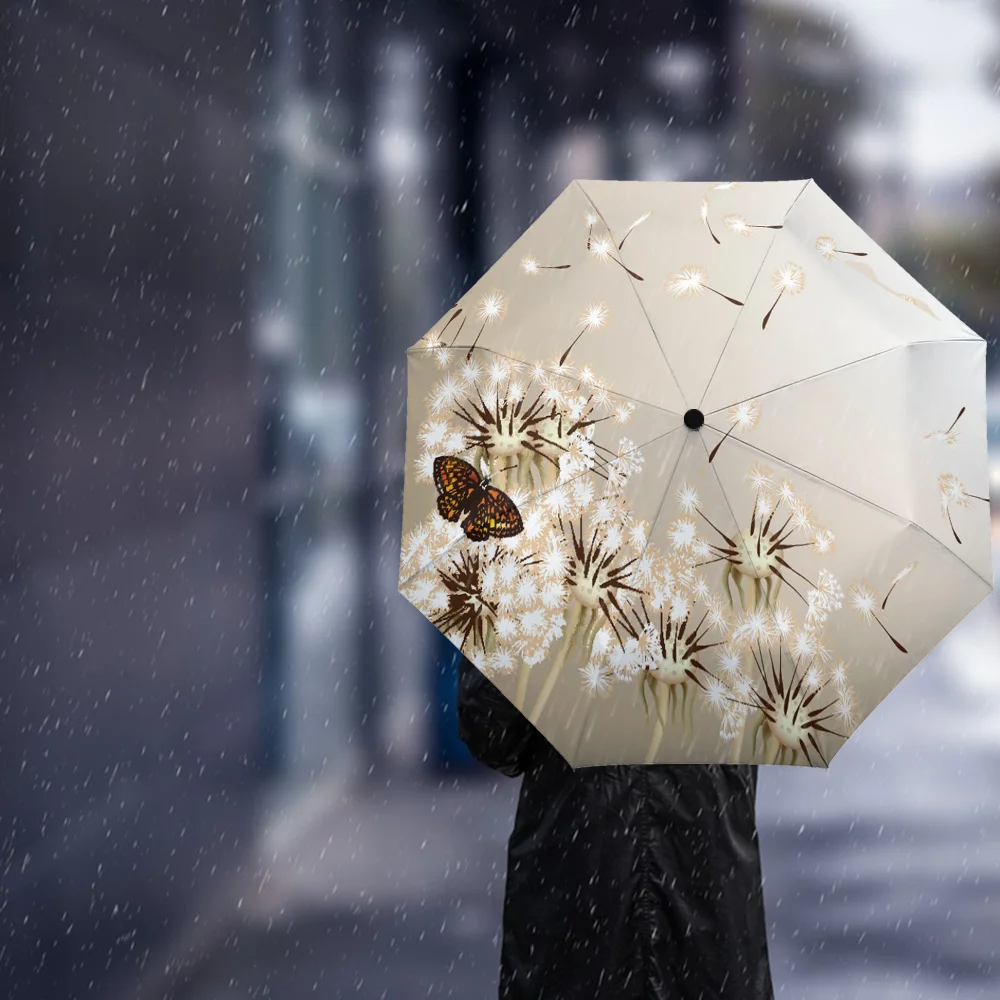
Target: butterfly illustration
{"x":464,"y":495}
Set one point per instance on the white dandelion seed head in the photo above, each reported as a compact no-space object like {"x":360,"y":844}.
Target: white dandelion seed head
{"x":602,"y":247}
{"x":595,"y":316}
{"x":822,"y":540}
{"x":686,"y":282}
{"x":730,"y":661}
{"x":529,"y":264}
{"x":789,"y":278}
{"x":687,"y":498}
{"x":754,"y":626}
{"x":863,"y":600}
{"x":590,"y":219}
{"x":433,"y":434}
{"x":704,"y":208}
{"x":745,"y":415}
{"x":813,"y":677}
{"x":781,"y":620}
{"x":425,"y":467}
{"x":736,"y":224}
{"x":587,"y":376}
{"x":786,"y":493}
{"x":624,"y":411}
{"x":804,"y":644}
{"x":952,"y":490}
{"x":492,"y":307}
{"x":700,"y":548}
{"x":759,"y":477}
{"x":838,"y":674}
{"x":682,"y":533}
{"x":595,"y":678}
{"x":826,"y":247}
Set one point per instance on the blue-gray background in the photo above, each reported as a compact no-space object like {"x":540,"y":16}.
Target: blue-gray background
{"x":228,"y":759}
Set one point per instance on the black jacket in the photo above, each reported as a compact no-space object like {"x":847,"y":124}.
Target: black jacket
{"x":623,"y":881}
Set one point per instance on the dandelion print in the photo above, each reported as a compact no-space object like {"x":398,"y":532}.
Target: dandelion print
{"x":901,"y":575}
{"x":691,"y":281}
{"x":492,"y":307}
{"x":603,"y":248}
{"x":530,"y":265}
{"x":743,"y":416}
{"x":952,"y":491}
{"x":737,"y":224}
{"x":670,"y":647}
{"x":790,"y":279}
{"x":595,"y":318}
{"x":828,"y":249}
{"x":789,"y":712}
{"x":759,"y":553}
{"x":597,"y":584}
{"x":704,"y":216}
{"x":638,"y":222}
{"x":863,"y":600}
{"x":950,"y":435}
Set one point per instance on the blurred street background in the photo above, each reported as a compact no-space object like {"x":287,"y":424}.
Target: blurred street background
{"x":229,"y":763}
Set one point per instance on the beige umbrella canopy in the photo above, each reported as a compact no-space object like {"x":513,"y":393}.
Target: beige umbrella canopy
{"x":696,"y":474}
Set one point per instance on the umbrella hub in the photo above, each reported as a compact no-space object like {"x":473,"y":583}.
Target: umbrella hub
{"x":693,"y":419}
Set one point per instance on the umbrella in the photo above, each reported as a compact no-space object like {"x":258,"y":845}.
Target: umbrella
{"x":696,"y":473}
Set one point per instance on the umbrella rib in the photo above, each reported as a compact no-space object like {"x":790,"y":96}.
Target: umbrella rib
{"x":836,"y":368}
{"x":763,"y":261}
{"x":531,"y":500}
{"x":638,"y":299}
{"x":856,"y":496}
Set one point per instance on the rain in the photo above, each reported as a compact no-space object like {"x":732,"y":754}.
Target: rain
{"x":230,"y":758}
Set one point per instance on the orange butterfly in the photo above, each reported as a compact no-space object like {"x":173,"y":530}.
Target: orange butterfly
{"x":462,"y":493}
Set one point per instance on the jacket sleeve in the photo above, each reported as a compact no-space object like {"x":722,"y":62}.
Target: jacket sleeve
{"x":495,"y":732}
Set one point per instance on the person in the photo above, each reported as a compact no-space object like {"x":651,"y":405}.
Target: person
{"x":622,"y":881}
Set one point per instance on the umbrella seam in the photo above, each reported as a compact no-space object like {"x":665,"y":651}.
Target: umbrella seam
{"x":746,"y":297}
{"x":846,"y":364}
{"x":638,"y":300}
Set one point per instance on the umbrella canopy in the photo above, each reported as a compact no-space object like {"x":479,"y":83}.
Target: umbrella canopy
{"x":696,"y":474}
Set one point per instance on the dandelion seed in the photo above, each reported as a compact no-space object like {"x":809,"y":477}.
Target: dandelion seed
{"x":953,"y":491}
{"x":704,"y":216}
{"x":740,"y":226}
{"x":950,"y":435}
{"x":687,"y":499}
{"x":638,"y":222}
{"x":603,"y":248}
{"x":744,"y":416}
{"x":828,"y":249}
{"x":788,"y":279}
{"x":682,"y":533}
{"x":863,"y":600}
{"x":492,"y":308}
{"x":693,"y":281}
{"x":901,"y":575}
{"x":530,"y":265}
{"x":595,"y":317}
